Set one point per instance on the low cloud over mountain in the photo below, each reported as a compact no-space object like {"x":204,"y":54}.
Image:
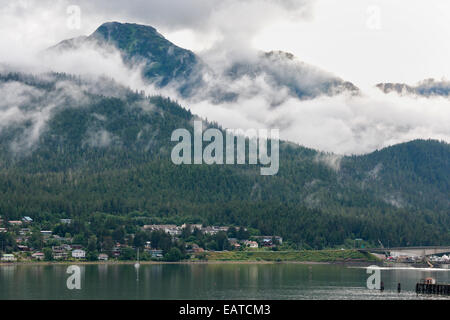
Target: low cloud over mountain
{"x":228,"y":82}
{"x":426,"y":88}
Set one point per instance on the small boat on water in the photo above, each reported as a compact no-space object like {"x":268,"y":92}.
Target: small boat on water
{"x":137,"y":264}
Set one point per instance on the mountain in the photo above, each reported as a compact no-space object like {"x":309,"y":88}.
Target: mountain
{"x":162,"y":61}
{"x":71,"y":147}
{"x":400,"y":174}
{"x":166,"y":64}
{"x":284,"y":71}
{"x":426,"y":88}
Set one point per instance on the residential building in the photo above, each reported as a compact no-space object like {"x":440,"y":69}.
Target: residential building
{"x":66,"y":247}
{"x":269,"y":239}
{"x":193,"y":226}
{"x":15,"y":222}
{"x":38,"y":256}
{"x":8,"y":257}
{"x":197,"y":249}
{"x":171,"y":229}
{"x":79,"y":254}
{"x":46,"y":233}
{"x":214,"y":229}
{"x":251,"y":244}
{"x":24,"y":231}
{"x":27,"y":219}
{"x":103,"y":257}
{"x":59,"y":253}
{"x":156,"y":253}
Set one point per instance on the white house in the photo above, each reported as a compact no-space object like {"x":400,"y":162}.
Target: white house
{"x":27,"y":219}
{"x":103,"y":257}
{"x":46,"y":233}
{"x":8,"y":257}
{"x":251,"y":244}
{"x":79,"y":254}
{"x":38,"y":256}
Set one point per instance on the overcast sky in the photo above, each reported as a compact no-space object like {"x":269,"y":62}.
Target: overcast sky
{"x":363,"y":41}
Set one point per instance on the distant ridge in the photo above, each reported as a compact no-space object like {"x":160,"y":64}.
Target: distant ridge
{"x":167,"y":64}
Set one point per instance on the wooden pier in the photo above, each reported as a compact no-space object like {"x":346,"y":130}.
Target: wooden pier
{"x":432,"y":288}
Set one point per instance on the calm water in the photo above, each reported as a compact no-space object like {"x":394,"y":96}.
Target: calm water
{"x":210,"y":281}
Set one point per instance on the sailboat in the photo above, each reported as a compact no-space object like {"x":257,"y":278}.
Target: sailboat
{"x":137,"y":264}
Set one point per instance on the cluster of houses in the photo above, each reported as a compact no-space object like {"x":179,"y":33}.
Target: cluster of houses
{"x":175,"y":230}
{"x":25,"y":221}
{"x":62,"y":252}
{"x":67,"y":251}
{"x":58,"y":254}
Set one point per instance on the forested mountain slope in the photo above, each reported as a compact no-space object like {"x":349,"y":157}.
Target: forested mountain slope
{"x":70,"y":147}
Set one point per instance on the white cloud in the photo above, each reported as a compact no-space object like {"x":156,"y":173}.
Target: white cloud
{"x":333,"y":37}
{"x":341,"y":124}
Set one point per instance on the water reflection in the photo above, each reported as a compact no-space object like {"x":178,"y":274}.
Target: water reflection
{"x":210,"y":281}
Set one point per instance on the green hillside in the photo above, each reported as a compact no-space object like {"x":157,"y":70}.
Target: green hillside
{"x":110,"y":155}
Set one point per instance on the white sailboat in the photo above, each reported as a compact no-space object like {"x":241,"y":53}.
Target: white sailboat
{"x":137,"y":264}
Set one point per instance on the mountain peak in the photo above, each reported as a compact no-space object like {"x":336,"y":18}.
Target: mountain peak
{"x":112,"y":30}
{"x":163,"y":60}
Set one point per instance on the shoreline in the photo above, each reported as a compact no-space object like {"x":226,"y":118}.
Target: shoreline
{"x":205,"y":262}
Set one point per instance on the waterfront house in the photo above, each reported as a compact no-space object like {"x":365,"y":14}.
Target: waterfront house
{"x":116,"y":251}
{"x":38,"y":256}
{"x":197,"y":249}
{"x":59,"y":253}
{"x":8,"y":257}
{"x":156,"y":253}
{"x":103,"y":257}
{"x":78,"y":254}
